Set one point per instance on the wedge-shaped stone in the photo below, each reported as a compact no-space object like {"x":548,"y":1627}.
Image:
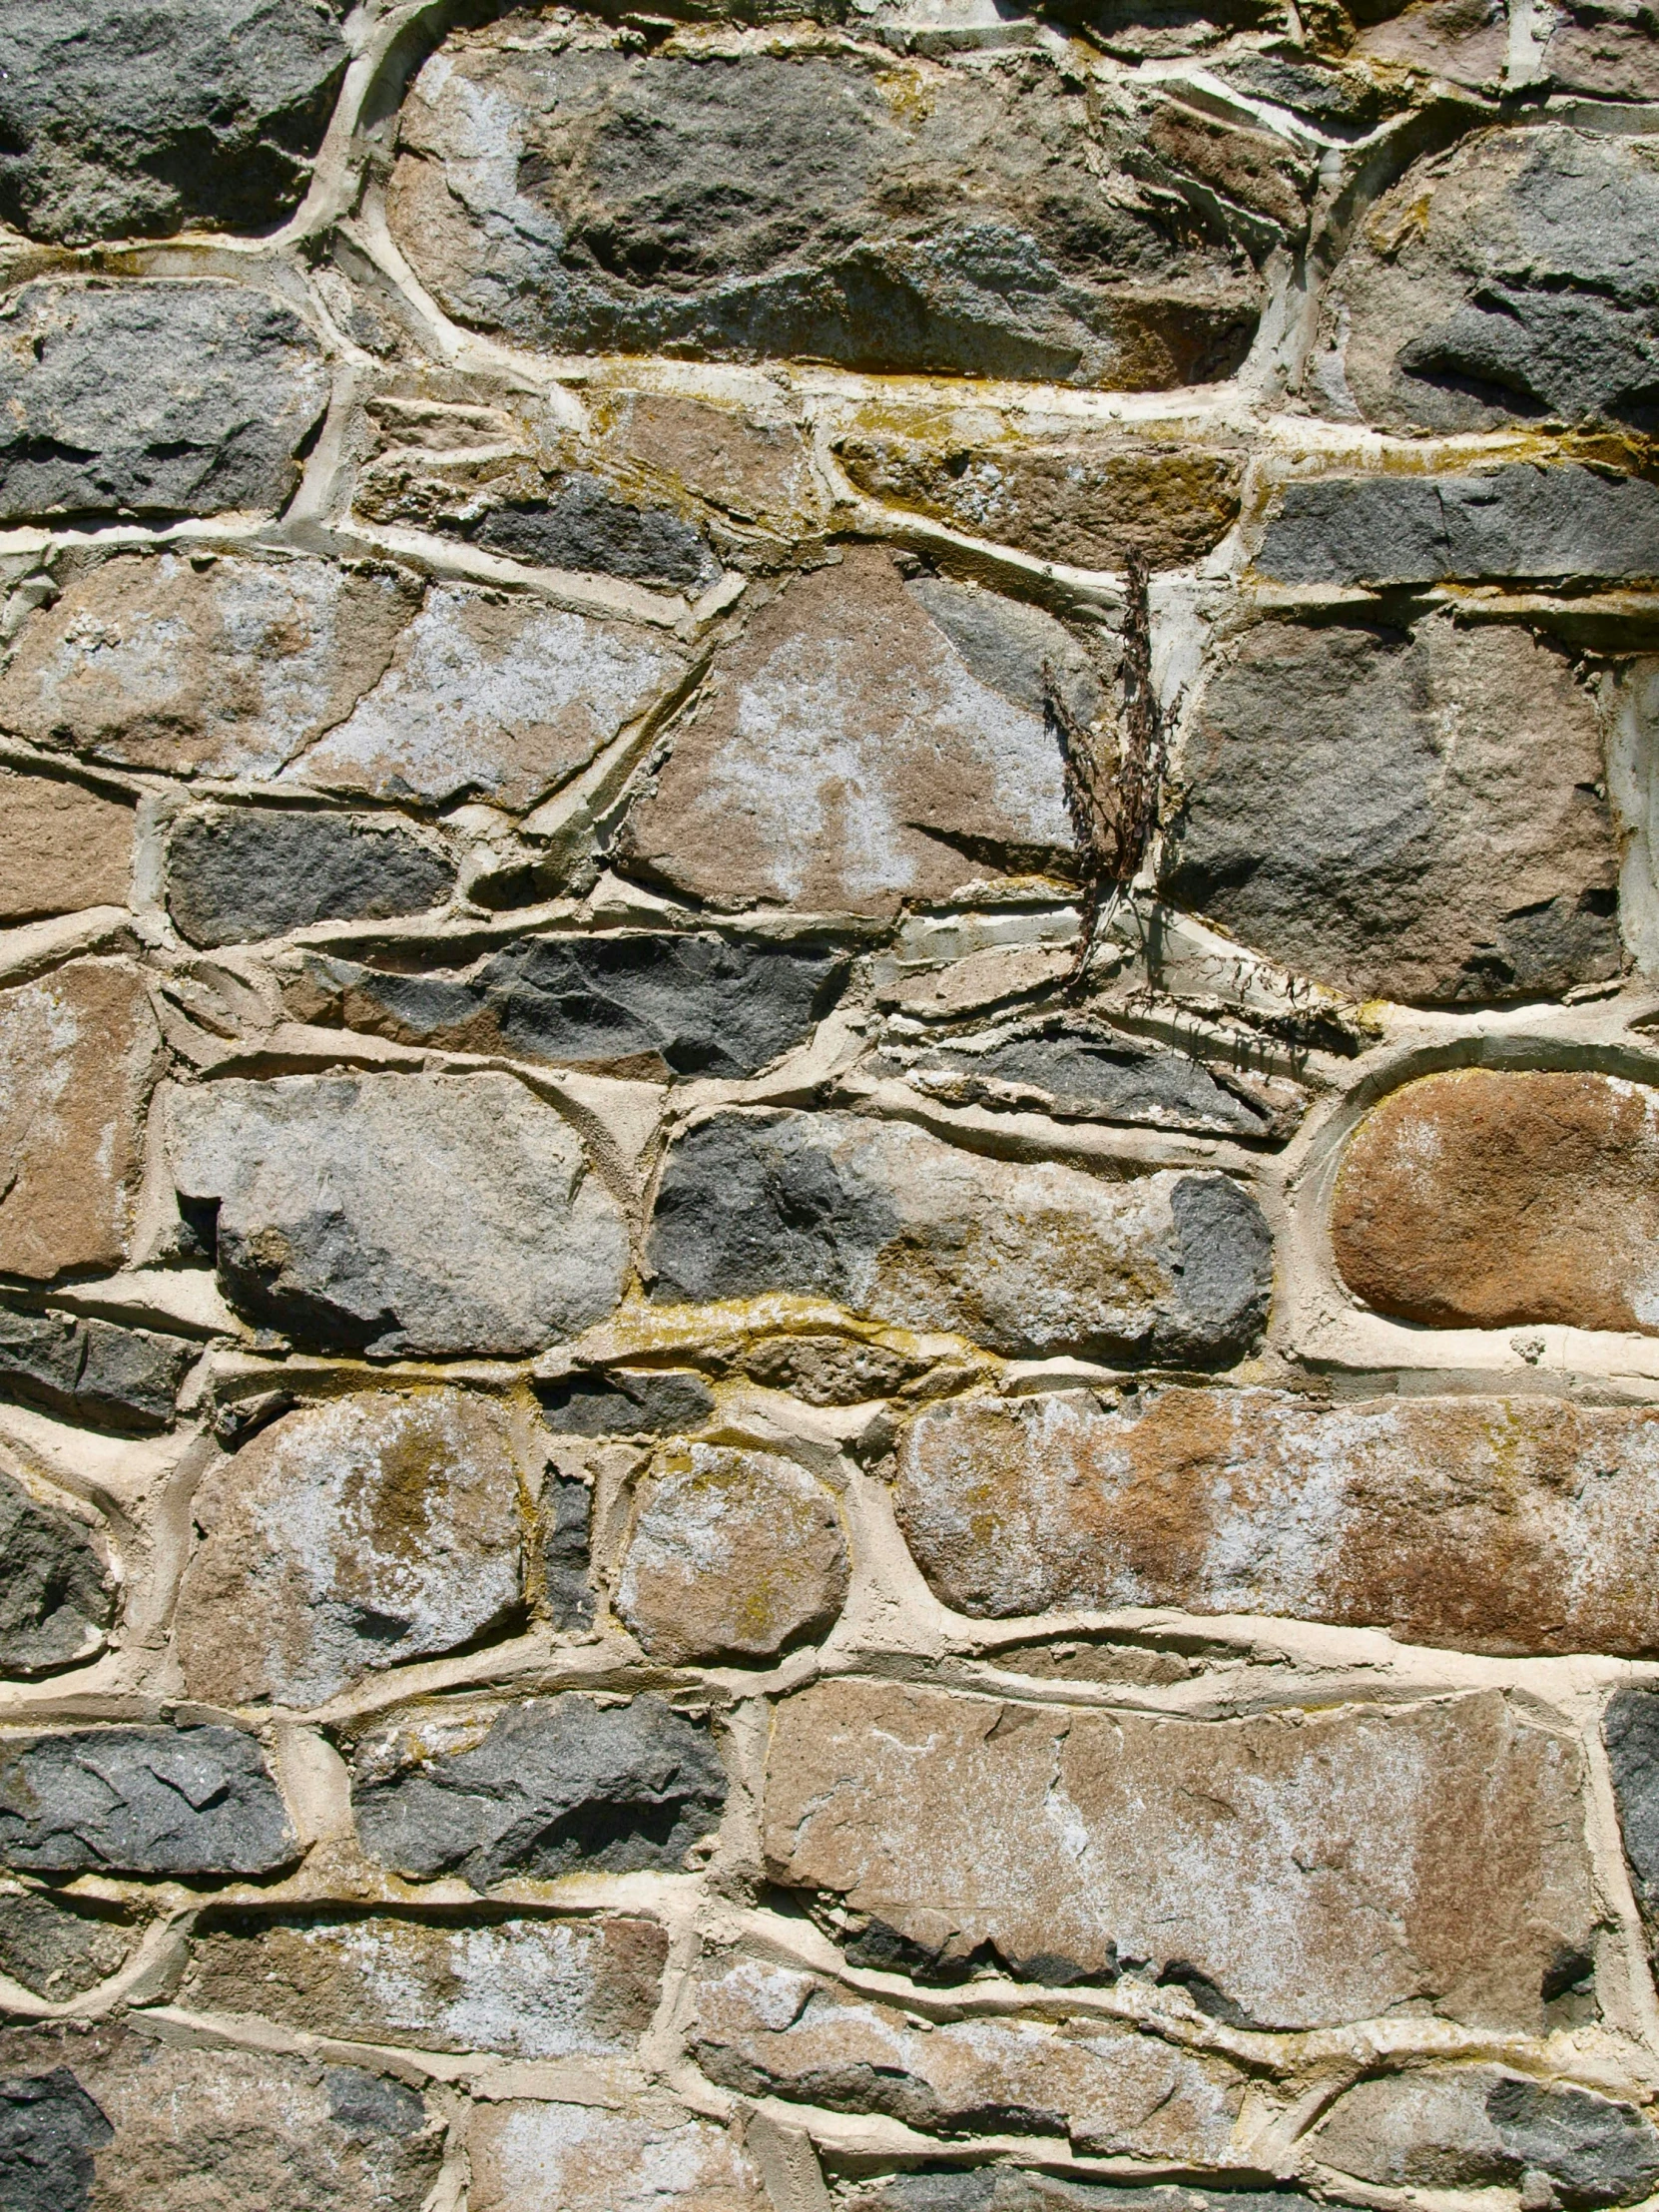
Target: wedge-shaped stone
{"x":1494,"y":1524}
{"x":56,"y":1597}
{"x":834,"y":205}
{"x":649,"y":2157}
{"x":867,"y":743}
{"x":1023,"y":1258}
{"x":768,"y":2030}
{"x":62,"y":848}
{"x":1479,"y":1197}
{"x":401,"y":1213}
{"x":78,"y":1053}
{"x":174,"y":397}
{"x":170,"y":1801}
{"x":1402,"y":817}
{"x":236,"y":873}
{"x":528,"y":1988}
{"x":1432,"y":1853}
{"x":350,"y":1536}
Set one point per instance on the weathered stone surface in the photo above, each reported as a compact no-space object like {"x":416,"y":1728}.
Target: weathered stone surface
{"x":553,"y":1786}
{"x":111,"y":1376}
{"x":1403,"y":817}
{"x":1466,"y":42}
{"x":350,"y":1536}
{"x":1491,"y":1524}
{"x":233,"y":667}
{"x":831,"y":1370}
{"x":1023,"y":1258}
{"x":768,"y":2030}
{"x":583,"y":2158}
{"x":1009,"y":2189}
{"x":567,"y":1592}
{"x":1312,"y":85}
{"x":1523,"y":520}
{"x":1604,"y":47}
{"x":733,"y":1554}
{"x":130,"y":2123}
{"x":644,"y":1005}
{"x":176,"y":1801}
{"x":56,"y":1598}
{"x":1474,"y":2127}
{"x":629,"y":1402}
{"x":863,"y":742}
{"x":1090,"y":502}
{"x":58,"y":1949}
{"x":836,"y":204}
{"x":1433,"y":1854}
{"x":179,"y":398}
{"x":1479,"y":1197}
{"x":78,"y":1054}
{"x":247,"y":872}
{"x":62,"y":848}
{"x":401,"y":1213}
{"x":1514,"y":280}
{"x":528,"y":1988}
{"x":753,"y":468}
{"x":1631,"y":1733}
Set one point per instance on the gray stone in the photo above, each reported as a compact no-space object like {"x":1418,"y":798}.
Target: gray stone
{"x":1008,"y":2189}
{"x":1337,"y":99}
{"x":1631,"y":1733}
{"x":630,"y":1402}
{"x":182,"y":398}
{"x":829,"y":205}
{"x":1027,"y":1260}
{"x":170,"y":1801}
{"x":585,"y":525}
{"x":248,"y":872}
{"x":123,"y":121}
{"x":567,"y":1578}
{"x":109,"y":1377}
{"x":58,"y":1949}
{"x":402,"y":1213}
{"x":1515,"y":279}
{"x":677,"y":1005}
{"x":1524,"y":520}
{"x":556,"y":1785}
{"x":1409,"y":816}
{"x":649,"y":2155}
{"x":49,"y":2129}
{"x":56,"y":1598}
{"x":373,"y":2104}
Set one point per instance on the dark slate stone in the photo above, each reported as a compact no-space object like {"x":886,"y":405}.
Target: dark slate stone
{"x":49,"y":2129}
{"x":586,"y":526}
{"x":635,"y":1401}
{"x":567,"y":1579}
{"x":1523,"y":520}
{"x":170,"y":1801}
{"x":112,"y":1377}
{"x":1337,"y":99}
{"x":373,"y":2104}
{"x":182,"y":398}
{"x":53,"y":1589}
{"x":58,"y":1949}
{"x":1631,"y":1732}
{"x":135,"y":118}
{"x":558,"y":1786}
{"x":1594,"y":2151}
{"x":257,"y":872}
{"x":697,"y":1005}
{"x":1225,"y":1267}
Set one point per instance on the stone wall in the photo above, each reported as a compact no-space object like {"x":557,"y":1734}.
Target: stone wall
{"x":830,"y":1106}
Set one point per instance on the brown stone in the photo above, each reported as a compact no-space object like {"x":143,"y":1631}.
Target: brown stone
{"x":1494,"y":1524}
{"x":1254,"y":168}
{"x":62,"y":848}
{"x":768,"y":2030}
{"x":1464,"y":41}
{"x":527,"y":1988}
{"x":78,"y":1054}
{"x":1478,"y":1199}
{"x":348,"y":1538}
{"x":1091,"y":502}
{"x":1311,"y":1868}
{"x":752,"y":469}
{"x":733,"y":1554}
{"x":851,"y":752}
{"x":649,"y":2157}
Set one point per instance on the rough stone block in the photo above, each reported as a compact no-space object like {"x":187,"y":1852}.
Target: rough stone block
{"x":1024,"y":1260}
{"x":78,"y":1054}
{"x":749,"y":465}
{"x":772,"y":204}
{"x":732,"y":1556}
{"x":58,"y":1949}
{"x":1402,"y":817}
{"x":629,"y":1402}
{"x":1433,"y":1854}
{"x":527,"y":1988}
{"x":1631,"y":1733}
{"x":768,"y":2030}
{"x":584,"y":2158}
{"x":1010,"y":2189}
{"x":245,"y":871}
{"x":109,"y":1377}
{"x":867,"y":743}
{"x":401,"y":1213}
{"x":350,"y":1536}
{"x":62,"y":848}
{"x":123,"y":122}
{"x":1604,"y":47}
{"x":549,"y":1787}
{"x":567,"y":1590}
{"x":1479,"y":1197}
{"x":56,"y":1595}
{"x":1491,"y":1524}
{"x":174,"y":397}
{"x":49,"y":2129}
{"x":167,"y":1800}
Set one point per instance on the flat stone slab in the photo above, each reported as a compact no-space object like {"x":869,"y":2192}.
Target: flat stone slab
{"x":652,"y":2156}
{"x":62,"y":848}
{"x":401,"y":1213}
{"x":1489,"y":1524}
{"x":93,"y":1371}
{"x":235,"y":874}
{"x":1432,"y":1853}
